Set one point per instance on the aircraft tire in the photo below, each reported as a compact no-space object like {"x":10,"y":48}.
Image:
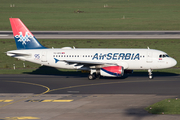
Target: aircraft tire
{"x":150,"y":77}
{"x":91,"y":77}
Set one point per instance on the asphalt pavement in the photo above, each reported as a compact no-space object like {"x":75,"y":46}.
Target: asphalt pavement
{"x":69,"y":97}
{"x":98,"y":34}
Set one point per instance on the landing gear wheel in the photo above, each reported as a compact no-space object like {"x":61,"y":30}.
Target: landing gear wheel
{"x":150,"y":77}
{"x":91,"y":77}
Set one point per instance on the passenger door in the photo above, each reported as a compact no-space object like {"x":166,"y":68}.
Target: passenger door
{"x":149,"y":57}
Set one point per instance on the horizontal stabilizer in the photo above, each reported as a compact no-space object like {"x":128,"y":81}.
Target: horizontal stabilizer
{"x":14,"y":54}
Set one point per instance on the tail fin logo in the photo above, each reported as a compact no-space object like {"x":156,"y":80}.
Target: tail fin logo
{"x":23,"y":39}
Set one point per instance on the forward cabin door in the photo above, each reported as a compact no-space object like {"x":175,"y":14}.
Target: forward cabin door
{"x":149,"y":57}
{"x":44,"y":56}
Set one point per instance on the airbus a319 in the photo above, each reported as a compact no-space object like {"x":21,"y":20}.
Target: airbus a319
{"x":100,"y":62}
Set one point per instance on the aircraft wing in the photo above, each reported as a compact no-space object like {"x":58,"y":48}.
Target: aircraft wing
{"x":87,"y":63}
{"x":92,"y":63}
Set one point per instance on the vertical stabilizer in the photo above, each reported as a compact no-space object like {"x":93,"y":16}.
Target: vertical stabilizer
{"x":23,"y":37}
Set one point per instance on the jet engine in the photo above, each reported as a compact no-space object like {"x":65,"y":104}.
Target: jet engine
{"x":112,"y":71}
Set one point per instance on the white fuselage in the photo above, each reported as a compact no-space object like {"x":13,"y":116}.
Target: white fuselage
{"x":83,"y":59}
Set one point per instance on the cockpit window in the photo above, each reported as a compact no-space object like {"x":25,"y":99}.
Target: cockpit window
{"x":163,"y":56}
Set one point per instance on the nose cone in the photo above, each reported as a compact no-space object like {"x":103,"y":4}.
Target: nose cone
{"x":173,"y":62}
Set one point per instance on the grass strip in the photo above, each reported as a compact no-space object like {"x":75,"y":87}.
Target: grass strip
{"x":95,"y":15}
{"x":167,"y":106}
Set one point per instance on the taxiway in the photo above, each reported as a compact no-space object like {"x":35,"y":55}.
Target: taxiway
{"x":54,"y":97}
{"x":98,"y":34}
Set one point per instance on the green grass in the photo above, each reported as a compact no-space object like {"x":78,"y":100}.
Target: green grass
{"x":59,"y":14}
{"x":6,"y":63}
{"x":167,"y":106}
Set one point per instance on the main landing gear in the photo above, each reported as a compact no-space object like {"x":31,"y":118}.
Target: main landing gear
{"x":150,"y":74}
{"x":92,"y":76}
{"x":94,"y":73}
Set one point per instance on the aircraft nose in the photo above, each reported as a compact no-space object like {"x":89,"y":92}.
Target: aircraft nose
{"x":173,"y":62}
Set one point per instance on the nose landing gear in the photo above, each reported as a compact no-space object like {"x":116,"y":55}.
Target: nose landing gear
{"x":150,"y":74}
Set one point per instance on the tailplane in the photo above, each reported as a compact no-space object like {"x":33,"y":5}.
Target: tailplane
{"x":23,"y":37}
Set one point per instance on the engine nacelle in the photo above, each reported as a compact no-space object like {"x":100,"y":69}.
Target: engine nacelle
{"x":112,"y":71}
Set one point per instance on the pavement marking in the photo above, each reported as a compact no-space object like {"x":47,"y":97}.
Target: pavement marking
{"x":3,"y":35}
{"x":62,"y":100}
{"x":50,"y":100}
{"x":48,"y":89}
{"x":85,"y":85}
{"x":20,"y":118}
{"x":33,"y":100}
{"x":6,"y":100}
{"x":73,"y":91}
{"x":47,"y":100}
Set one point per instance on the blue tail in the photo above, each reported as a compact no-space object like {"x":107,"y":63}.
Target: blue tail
{"x":23,"y":37}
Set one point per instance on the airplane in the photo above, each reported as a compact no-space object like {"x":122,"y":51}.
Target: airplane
{"x":99,"y":62}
